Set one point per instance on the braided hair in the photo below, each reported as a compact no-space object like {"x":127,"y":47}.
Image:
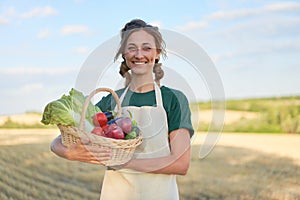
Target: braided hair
{"x":128,"y":29}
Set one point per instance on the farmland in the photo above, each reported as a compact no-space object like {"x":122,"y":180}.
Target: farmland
{"x":29,"y":170}
{"x":256,"y":156}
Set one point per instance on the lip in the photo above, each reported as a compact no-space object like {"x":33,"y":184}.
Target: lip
{"x":139,"y":62}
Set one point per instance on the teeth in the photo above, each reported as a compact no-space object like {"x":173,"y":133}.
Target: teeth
{"x":139,"y":63}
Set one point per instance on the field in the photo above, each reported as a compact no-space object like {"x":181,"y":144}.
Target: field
{"x":241,"y":166}
{"x":260,"y":160}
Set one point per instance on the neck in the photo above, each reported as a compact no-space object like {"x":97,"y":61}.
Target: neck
{"x":142,"y":84}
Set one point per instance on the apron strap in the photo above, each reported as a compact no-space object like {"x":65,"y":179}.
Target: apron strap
{"x":158,"y":96}
{"x":123,"y":96}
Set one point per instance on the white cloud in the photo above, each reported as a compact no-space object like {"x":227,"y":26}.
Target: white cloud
{"x":44,"y":34}
{"x":10,"y":14}
{"x":226,"y":55}
{"x":80,"y":50}
{"x":74,"y":29}
{"x":31,"y":87}
{"x":6,"y":14}
{"x":191,"y":26}
{"x":36,"y":71}
{"x":283,"y":7}
{"x":39,"y":12}
{"x":4,"y":21}
{"x":156,"y":23}
{"x":269,"y":8}
{"x":10,"y":11}
{"x":253,"y":24}
{"x":79,"y":1}
{"x":226,"y":15}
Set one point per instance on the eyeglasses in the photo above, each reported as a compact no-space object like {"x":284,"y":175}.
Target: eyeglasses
{"x":134,"y":49}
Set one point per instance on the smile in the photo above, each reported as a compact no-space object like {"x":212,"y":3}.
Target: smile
{"x":139,"y":62}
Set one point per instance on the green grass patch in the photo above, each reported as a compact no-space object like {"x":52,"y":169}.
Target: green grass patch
{"x":16,"y":125}
{"x":275,"y":114}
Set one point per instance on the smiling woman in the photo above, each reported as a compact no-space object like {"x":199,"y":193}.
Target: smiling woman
{"x":164,"y":117}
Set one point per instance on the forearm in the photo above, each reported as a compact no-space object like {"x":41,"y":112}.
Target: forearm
{"x":163,"y":165}
{"x":176,"y":163}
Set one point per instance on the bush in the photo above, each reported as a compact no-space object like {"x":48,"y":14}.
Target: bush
{"x":275,"y":115}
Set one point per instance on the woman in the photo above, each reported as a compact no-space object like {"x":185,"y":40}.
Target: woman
{"x":163,"y":114}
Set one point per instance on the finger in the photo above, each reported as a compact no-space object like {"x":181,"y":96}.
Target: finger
{"x":102,"y":156}
{"x":75,"y":145}
{"x":96,"y":149}
{"x":85,"y":141}
{"x":97,"y":162}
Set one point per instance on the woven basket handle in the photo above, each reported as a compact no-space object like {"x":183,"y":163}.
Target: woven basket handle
{"x":88,"y":99}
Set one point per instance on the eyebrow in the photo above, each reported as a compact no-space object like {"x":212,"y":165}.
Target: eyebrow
{"x":146,"y":43}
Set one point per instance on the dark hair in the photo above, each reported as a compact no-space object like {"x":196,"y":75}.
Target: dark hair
{"x":133,"y":26}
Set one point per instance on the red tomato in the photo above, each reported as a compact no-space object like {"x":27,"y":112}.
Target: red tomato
{"x":105,"y":127}
{"x":100,"y":119}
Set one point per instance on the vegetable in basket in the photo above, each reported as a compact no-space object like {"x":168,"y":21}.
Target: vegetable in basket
{"x":67,"y":111}
{"x":107,"y":125}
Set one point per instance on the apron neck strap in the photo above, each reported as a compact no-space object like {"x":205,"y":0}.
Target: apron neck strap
{"x":158,"y":96}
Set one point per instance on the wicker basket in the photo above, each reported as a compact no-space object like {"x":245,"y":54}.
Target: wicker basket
{"x":122,"y":150}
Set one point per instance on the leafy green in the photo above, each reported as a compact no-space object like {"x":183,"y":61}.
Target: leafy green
{"x":134,"y":122}
{"x":67,"y":110}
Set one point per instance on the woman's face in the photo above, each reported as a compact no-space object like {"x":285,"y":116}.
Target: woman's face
{"x":140,"y":53}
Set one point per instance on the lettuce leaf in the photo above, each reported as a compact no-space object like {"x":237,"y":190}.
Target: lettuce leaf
{"x":67,"y":110}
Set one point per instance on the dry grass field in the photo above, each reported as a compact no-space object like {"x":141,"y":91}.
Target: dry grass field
{"x":26,"y":118}
{"x":239,"y":167}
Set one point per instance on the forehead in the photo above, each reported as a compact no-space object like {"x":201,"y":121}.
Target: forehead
{"x":140,"y":37}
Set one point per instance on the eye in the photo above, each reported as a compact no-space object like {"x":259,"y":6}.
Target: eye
{"x":146,"y":48}
{"x":131,"y":49}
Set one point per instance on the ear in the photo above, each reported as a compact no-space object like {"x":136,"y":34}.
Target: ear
{"x":158,"y":53}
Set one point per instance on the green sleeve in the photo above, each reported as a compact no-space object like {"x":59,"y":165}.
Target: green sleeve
{"x":178,"y":111}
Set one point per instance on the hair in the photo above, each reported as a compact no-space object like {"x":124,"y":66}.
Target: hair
{"x":129,"y":28}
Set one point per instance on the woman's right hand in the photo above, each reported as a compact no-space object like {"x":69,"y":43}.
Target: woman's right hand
{"x":81,"y":151}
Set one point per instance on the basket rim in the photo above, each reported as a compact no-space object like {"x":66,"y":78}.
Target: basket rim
{"x":97,"y":139}
{"x":119,"y":143}
{"x":88,"y":100}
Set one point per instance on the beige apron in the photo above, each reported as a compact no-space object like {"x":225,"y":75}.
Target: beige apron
{"x":126,"y":184}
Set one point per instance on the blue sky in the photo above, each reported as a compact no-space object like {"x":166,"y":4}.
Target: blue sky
{"x":254,"y":45}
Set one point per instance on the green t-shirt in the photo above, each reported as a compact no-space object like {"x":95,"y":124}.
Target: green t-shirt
{"x":175,"y":104}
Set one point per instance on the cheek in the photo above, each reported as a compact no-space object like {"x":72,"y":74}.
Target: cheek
{"x":152,"y":60}
{"x":127,"y":59}
{"x":128,"y":64}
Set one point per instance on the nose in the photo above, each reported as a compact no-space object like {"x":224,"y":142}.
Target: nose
{"x":138,"y":53}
